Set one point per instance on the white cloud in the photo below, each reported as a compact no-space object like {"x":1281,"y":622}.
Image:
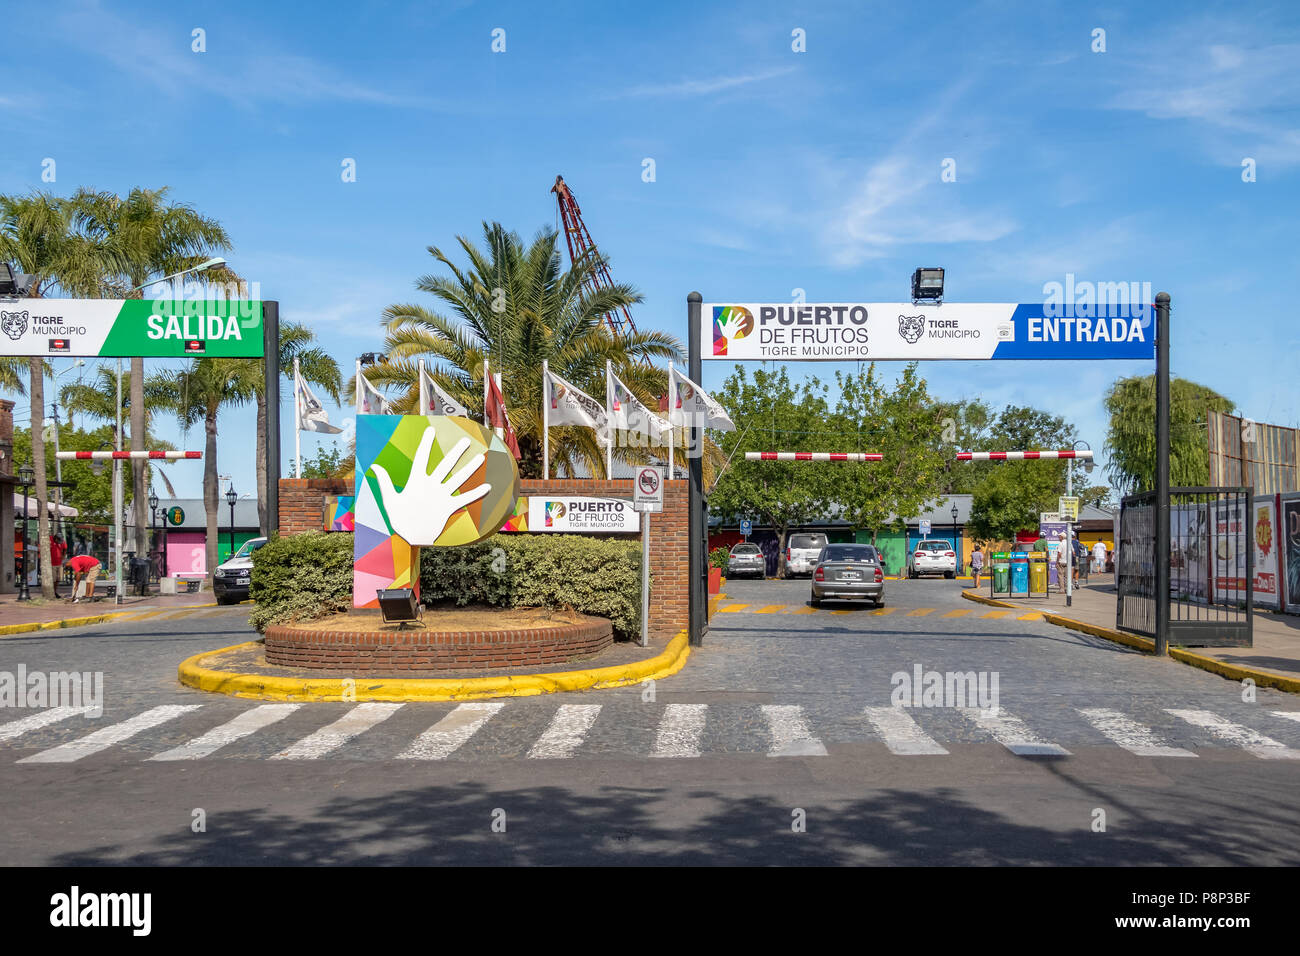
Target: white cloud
{"x":701,"y":87}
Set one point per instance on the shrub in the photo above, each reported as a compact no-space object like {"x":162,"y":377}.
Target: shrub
{"x":306,"y":576}
{"x":301,"y":577}
{"x":718,"y":558}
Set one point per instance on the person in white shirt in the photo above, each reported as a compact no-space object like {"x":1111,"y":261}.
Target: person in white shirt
{"x":1099,"y":557}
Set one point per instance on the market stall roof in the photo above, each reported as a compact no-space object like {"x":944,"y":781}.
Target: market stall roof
{"x":34,"y":507}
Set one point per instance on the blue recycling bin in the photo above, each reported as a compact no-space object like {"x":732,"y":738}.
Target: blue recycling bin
{"x":1020,"y":573}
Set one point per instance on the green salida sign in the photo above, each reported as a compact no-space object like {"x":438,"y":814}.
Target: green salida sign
{"x":111,"y":328}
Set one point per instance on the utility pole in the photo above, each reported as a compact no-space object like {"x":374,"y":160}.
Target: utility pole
{"x":117,"y":495}
{"x":697,"y":566}
{"x":1162,"y":474}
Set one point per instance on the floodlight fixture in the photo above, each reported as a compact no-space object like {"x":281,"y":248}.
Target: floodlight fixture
{"x":398,"y":606}
{"x":927,"y":285}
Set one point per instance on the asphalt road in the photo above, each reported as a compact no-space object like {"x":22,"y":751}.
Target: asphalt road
{"x":784,"y":716}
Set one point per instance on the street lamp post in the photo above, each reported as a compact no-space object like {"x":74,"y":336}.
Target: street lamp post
{"x":231,"y":498}
{"x":1069,"y":526}
{"x":955,"y":544}
{"x":153,"y":521}
{"x":25,"y":478}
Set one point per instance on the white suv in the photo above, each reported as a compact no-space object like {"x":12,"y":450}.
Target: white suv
{"x":802,"y":550}
{"x":932,"y":557}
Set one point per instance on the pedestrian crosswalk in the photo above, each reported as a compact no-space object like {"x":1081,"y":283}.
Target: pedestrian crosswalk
{"x":675,"y":730}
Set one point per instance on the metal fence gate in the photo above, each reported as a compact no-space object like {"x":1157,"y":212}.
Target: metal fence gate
{"x":1211,"y":566}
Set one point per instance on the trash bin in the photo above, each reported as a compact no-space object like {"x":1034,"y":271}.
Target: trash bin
{"x":1020,"y":574}
{"x":1001,"y":573}
{"x":138,"y":575}
{"x":1037,"y":574}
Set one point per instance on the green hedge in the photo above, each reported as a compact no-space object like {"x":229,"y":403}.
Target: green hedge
{"x":301,"y":577}
{"x":306,"y":576}
{"x":591,"y":575}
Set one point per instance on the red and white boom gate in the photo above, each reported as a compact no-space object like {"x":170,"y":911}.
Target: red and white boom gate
{"x":856,"y":456}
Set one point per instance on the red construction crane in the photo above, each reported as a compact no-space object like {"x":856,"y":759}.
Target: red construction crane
{"x":582,"y":246}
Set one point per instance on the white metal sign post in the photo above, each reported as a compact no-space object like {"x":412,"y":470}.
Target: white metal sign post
{"x":647,"y":496}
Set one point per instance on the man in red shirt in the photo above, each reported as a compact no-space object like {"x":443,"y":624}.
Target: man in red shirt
{"x":57,"y":551}
{"x":83,"y":566}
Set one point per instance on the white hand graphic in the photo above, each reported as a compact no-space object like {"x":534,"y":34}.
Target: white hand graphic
{"x":731,"y":324}
{"x":420,"y":511}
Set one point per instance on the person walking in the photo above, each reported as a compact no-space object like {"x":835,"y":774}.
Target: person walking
{"x":1060,"y":560}
{"x":84,"y":567}
{"x":1099,"y":557}
{"x":976,"y":564}
{"x":57,"y":552}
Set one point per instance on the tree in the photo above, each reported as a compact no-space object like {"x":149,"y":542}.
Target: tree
{"x":328,"y":463}
{"x":905,"y":425}
{"x":317,"y":368}
{"x":516,"y":306}
{"x":93,"y":494}
{"x":150,"y":238}
{"x":784,"y":495}
{"x":1012,"y":496}
{"x":199,"y":394}
{"x":1131,"y":436}
{"x":37,"y":235}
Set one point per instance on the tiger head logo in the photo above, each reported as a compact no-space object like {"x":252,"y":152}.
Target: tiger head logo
{"x":13,"y":324}
{"x":911,"y":327}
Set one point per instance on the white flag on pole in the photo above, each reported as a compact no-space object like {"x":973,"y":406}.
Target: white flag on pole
{"x":626,"y":412}
{"x":369,"y":400}
{"x":570,"y":405}
{"x":434,"y":401}
{"x":691,"y":407}
{"x":312,"y":416}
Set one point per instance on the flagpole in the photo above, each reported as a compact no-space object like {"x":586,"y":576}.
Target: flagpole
{"x":486,"y":390}
{"x":672,"y":404}
{"x":546,"y":420}
{"x":424,"y":406}
{"x":501,"y":432}
{"x":297,"y":420}
{"x":357,"y":397}
{"x":609,"y":441}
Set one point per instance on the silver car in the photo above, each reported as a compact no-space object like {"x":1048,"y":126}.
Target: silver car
{"x":851,"y":572}
{"x":746,"y":558}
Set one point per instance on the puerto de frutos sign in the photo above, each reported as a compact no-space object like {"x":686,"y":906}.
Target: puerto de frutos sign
{"x":151,"y":328}
{"x":900,"y":331}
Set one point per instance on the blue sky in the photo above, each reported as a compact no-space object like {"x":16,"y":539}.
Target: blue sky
{"x":774,"y":170}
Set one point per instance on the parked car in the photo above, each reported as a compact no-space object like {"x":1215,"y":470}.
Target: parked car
{"x":802,"y":550}
{"x":932,"y":557}
{"x":848,"y":572}
{"x":746,"y":558}
{"x":230,"y":582}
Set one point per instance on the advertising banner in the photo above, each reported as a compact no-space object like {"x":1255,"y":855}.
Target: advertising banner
{"x":574,"y":514}
{"x":1290,"y":550}
{"x":1230,"y":541}
{"x":1265,"y":537}
{"x":900,"y":331}
{"x":1188,"y":547}
{"x":123,"y":328}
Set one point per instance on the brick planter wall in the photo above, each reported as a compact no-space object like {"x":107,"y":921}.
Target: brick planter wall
{"x":302,"y":508}
{"x":373,"y":652}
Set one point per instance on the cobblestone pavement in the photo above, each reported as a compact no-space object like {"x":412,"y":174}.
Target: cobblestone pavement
{"x":784,"y":710}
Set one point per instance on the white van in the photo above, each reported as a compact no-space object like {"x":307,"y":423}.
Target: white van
{"x":802,"y":550}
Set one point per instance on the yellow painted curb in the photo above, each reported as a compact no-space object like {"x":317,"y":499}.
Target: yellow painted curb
{"x":6,"y":629}
{"x":194,"y":674}
{"x":1211,"y":664}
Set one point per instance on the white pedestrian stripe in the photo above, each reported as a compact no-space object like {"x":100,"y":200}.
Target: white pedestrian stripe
{"x":1248,"y":740}
{"x":1010,"y":731}
{"x":446,"y":736}
{"x":108,"y":736}
{"x":680,"y":730}
{"x":250,"y":721}
{"x":356,"y":721}
{"x":567,"y":730}
{"x":1288,"y":714}
{"x":790,"y":734}
{"x":16,"y":728}
{"x":1131,"y":735}
{"x":901,"y":734}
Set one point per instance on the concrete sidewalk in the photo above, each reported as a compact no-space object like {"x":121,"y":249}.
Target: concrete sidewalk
{"x":22,"y":616}
{"x":1276,"y":636}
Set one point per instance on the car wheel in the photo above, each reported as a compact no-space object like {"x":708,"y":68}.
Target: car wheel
{"x":815,"y":601}
{"x":950,"y":574}
{"x":880,"y":602}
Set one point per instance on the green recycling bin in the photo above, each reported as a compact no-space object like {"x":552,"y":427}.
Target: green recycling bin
{"x":1001,"y":573}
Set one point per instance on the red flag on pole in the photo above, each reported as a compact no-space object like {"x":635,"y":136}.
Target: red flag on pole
{"x":497,"y":418}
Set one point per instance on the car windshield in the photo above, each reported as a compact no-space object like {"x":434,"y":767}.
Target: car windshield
{"x":849,"y":552}
{"x":934,"y":546}
{"x":807,"y":542}
{"x":248,"y":547}
{"x":745,"y":549}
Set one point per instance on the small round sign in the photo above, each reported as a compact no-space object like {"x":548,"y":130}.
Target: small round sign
{"x":648,"y":480}
{"x":176,"y":515}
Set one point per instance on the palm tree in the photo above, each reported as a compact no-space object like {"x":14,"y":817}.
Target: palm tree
{"x":38,"y":236}
{"x":316,"y":367}
{"x":151,"y":237}
{"x":199,"y":394}
{"x":516,"y":306}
